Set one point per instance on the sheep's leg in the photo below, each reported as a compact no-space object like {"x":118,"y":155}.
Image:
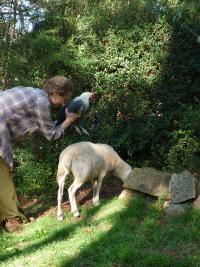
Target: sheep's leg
{"x":61,"y":183}
{"x":96,"y":189}
{"x":71,"y":191}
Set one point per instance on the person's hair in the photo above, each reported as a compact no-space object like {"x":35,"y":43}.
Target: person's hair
{"x":60,"y":84}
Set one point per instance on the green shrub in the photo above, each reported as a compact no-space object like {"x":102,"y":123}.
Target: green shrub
{"x":35,"y":171}
{"x":184,"y":152}
{"x":142,"y":59}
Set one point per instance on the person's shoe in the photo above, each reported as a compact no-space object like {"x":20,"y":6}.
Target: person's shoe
{"x":13,"y":224}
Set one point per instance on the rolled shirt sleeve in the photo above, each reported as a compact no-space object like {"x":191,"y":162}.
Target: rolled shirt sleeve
{"x":45,"y":125}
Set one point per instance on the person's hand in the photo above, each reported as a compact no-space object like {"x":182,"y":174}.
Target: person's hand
{"x":66,"y":112}
{"x":70,"y":118}
{"x":71,"y":115}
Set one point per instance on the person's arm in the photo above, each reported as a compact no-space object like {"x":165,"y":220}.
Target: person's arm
{"x":47,"y":126}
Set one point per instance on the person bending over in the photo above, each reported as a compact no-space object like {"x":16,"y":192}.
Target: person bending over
{"x":26,"y":110}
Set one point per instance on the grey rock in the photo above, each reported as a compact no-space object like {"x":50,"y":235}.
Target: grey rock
{"x":149,"y":181}
{"x":182,"y":187}
{"x":173,"y":210}
{"x":129,"y":194}
{"x":126,"y":194}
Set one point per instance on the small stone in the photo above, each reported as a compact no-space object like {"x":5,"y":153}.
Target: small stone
{"x":128,"y":194}
{"x":196,"y":203}
{"x":173,"y":210}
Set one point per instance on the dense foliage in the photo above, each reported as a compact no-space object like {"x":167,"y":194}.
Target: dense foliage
{"x":142,"y":59}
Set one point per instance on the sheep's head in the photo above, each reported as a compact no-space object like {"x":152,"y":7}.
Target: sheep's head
{"x":123,"y":170}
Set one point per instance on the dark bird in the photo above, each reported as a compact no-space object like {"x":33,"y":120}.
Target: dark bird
{"x":79,"y":105}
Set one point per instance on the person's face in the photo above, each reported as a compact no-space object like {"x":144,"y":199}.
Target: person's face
{"x":58,"y":99}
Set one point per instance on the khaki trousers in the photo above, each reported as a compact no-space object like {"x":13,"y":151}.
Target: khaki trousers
{"x":8,"y":197}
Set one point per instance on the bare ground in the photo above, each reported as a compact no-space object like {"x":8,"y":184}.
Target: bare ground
{"x":83,"y":197}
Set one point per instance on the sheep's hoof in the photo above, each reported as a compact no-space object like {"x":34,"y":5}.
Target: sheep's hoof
{"x":96,"y":203}
{"x":60,"y":217}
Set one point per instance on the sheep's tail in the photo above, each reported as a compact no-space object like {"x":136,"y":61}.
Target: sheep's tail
{"x":64,"y":167}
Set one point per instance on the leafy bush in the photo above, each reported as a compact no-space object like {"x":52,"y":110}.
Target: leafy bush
{"x":184,"y":152}
{"x":35,"y":168}
{"x":142,"y":59}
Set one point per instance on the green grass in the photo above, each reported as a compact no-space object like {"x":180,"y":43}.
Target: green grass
{"x":117,"y":234}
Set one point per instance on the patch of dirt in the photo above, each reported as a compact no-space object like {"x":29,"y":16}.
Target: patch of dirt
{"x":26,"y":203}
{"x":83,"y":197}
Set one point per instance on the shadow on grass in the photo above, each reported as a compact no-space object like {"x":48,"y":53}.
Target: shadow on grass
{"x":140,"y":236}
{"x":137,"y":235}
{"x":57,"y":235}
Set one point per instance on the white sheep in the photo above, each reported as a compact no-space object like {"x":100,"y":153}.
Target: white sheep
{"x":87,"y":161}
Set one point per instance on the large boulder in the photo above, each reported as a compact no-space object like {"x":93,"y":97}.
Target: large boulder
{"x":182,"y":187}
{"x":149,"y":181}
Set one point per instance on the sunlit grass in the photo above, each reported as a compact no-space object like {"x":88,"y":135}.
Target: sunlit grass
{"x":117,"y":233}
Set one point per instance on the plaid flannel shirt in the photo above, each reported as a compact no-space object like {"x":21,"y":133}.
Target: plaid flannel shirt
{"x":24,"y":110}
